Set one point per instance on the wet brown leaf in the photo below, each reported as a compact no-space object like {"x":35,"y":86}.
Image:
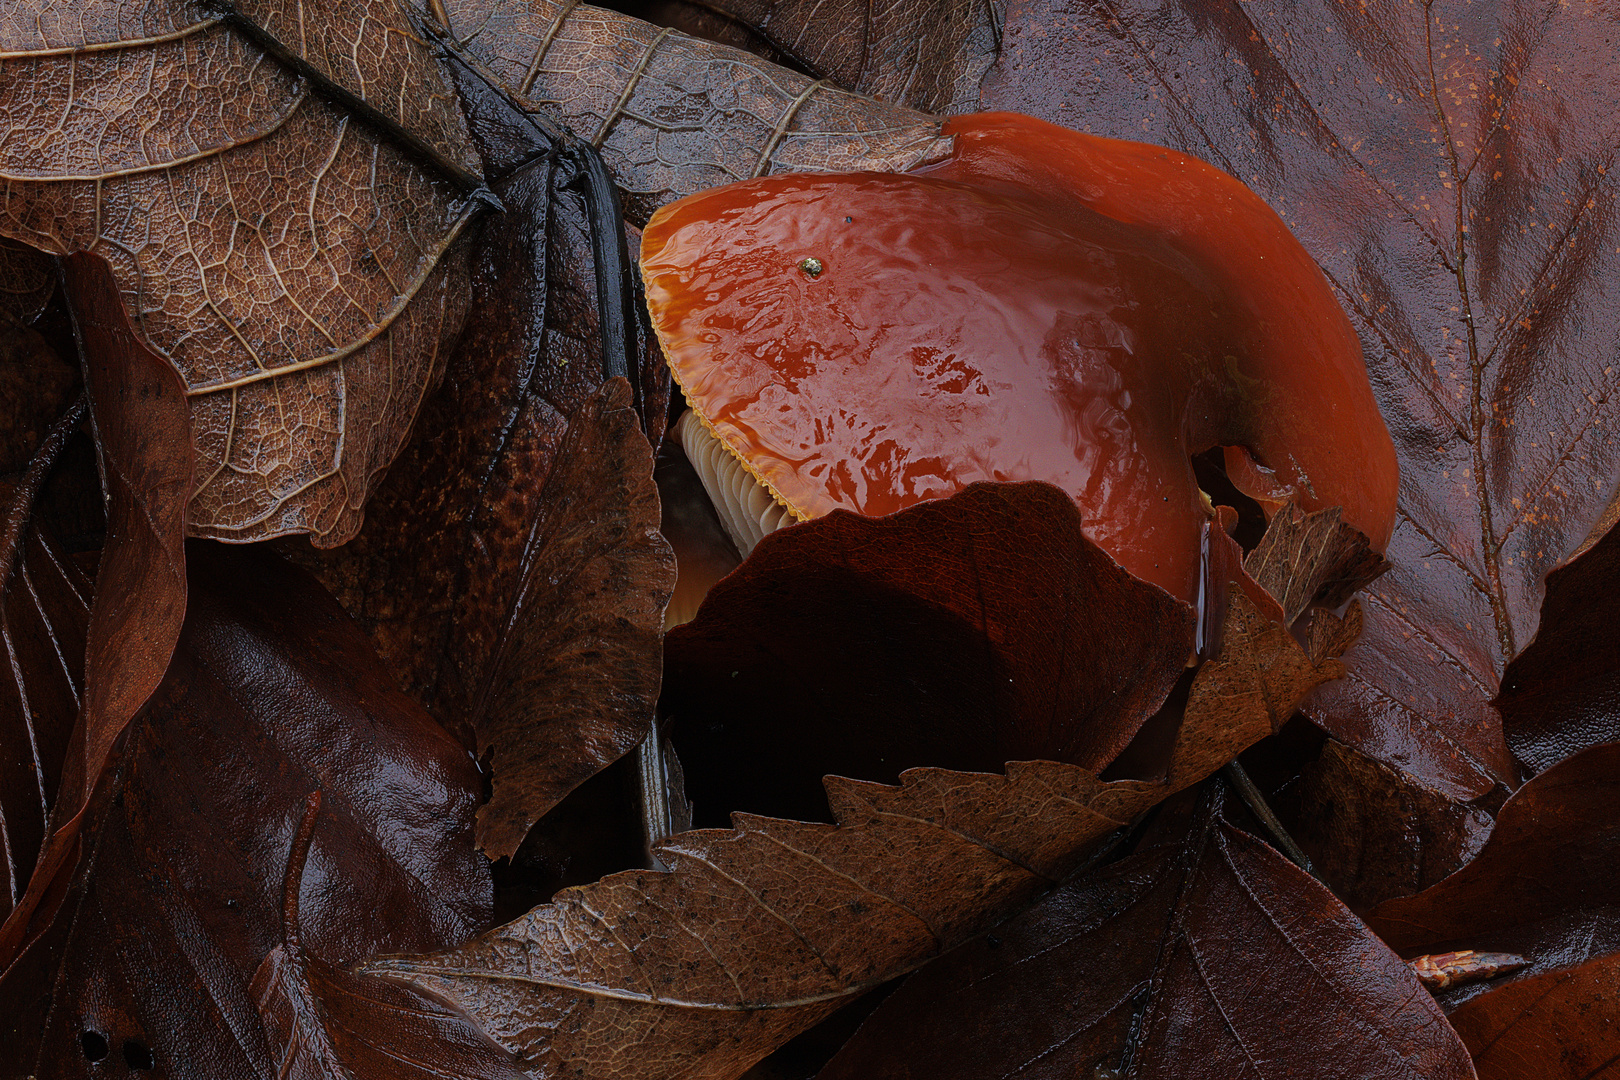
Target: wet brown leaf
{"x":1555,"y":1026}
{"x":928,"y":56}
{"x":1451,"y":169}
{"x":298,"y":269}
{"x":273,"y":694}
{"x":963,"y":634}
{"x":44,"y":612}
{"x":1543,"y":886}
{"x":1373,"y":832}
{"x":142,"y":426}
{"x":674,"y":115}
{"x":1562,"y":694}
{"x":511,"y":569}
{"x":325,"y":1023}
{"x":759,"y":931}
{"x":1204,"y":954}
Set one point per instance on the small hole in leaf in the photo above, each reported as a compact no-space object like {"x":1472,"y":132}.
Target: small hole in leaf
{"x":137,"y":1055}
{"x":94,"y":1045}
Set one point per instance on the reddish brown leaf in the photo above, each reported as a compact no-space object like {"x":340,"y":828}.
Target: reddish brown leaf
{"x":1450,"y":167}
{"x":760,"y":931}
{"x":1373,"y":832}
{"x":297,"y":267}
{"x":962,"y":633}
{"x":1206,"y":954}
{"x":44,"y":611}
{"x":1556,"y":1026}
{"x":511,"y":568}
{"x":673,"y":115}
{"x":1543,"y":886}
{"x":1562,"y":694}
{"x":324,"y":1023}
{"x":272,"y":694}
{"x":143,"y":437}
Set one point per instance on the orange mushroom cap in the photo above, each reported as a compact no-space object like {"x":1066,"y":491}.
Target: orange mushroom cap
{"x":1041,"y":305}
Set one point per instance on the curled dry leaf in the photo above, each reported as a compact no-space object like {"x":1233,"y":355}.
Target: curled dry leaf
{"x":924,"y":55}
{"x":673,"y":115}
{"x":296,"y":267}
{"x":1451,"y":171}
{"x":1166,"y":964}
{"x":761,"y":930}
{"x":272,"y":694}
{"x":1441,"y":971}
{"x":143,"y":437}
{"x":511,"y":568}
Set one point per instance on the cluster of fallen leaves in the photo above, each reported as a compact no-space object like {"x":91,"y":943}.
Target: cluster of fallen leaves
{"x":414,"y":796}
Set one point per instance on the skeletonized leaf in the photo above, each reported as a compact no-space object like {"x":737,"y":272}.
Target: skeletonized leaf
{"x":297,"y":268}
{"x":674,"y":115}
{"x":760,"y":931}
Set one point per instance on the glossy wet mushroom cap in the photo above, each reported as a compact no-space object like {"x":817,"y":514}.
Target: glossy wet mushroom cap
{"x":1042,"y":305}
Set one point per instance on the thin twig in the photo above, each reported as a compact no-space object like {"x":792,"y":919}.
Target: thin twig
{"x":1262,"y":810}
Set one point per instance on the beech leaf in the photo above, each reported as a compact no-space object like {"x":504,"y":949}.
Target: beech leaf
{"x":1450,"y":169}
{"x":1166,"y":964}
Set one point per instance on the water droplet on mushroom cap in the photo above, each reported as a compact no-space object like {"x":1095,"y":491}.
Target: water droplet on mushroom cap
{"x":1042,"y":305}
